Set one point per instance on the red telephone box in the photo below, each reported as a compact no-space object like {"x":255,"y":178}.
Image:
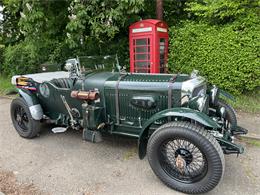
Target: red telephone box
{"x":148,"y":44}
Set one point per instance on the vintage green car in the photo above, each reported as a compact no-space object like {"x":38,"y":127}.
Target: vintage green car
{"x":181,"y":122}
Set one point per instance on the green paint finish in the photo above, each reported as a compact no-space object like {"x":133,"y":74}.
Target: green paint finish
{"x":229,"y":146}
{"x":143,"y":86}
{"x":53,"y":105}
{"x":129,"y":104}
{"x":130,"y":86}
{"x":186,"y":113}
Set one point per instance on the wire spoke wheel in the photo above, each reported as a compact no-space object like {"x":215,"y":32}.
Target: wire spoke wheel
{"x":186,"y":157}
{"x":182,"y":160}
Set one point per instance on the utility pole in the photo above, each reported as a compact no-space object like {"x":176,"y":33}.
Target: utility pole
{"x":159,"y":9}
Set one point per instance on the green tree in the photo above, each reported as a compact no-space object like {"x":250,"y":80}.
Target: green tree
{"x":55,"y":30}
{"x":99,"y":20}
{"x":11,"y":13}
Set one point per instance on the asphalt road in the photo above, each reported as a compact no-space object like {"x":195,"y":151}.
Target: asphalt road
{"x":65,"y":164}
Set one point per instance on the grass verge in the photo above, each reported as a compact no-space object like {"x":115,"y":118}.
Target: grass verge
{"x":5,"y":85}
{"x":247,"y":102}
{"x":252,"y":142}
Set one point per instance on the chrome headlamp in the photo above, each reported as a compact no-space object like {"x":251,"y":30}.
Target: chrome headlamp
{"x":192,"y":88}
{"x":199,"y":103}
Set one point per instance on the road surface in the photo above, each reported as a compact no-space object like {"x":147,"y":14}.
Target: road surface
{"x":65,"y":164}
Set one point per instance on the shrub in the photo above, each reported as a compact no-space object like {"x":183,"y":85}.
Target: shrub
{"x":19,"y":59}
{"x":228,"y":55}
{"x":25,"y":57}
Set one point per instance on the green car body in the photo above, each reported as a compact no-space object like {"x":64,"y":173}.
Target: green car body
{"x":129,"y":104}
{"x":148,"y":107}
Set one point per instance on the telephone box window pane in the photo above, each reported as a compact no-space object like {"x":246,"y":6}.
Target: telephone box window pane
{"x":162,"y":54}
{"x":141,"y":64}
{"x":142,"y":56}
{"x":143,"y":67}
{"x":141,"y":49}
{"x":141,"y":42}
{"x":143,"y":71}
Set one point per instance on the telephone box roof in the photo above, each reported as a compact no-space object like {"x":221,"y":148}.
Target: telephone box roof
{"x":152,"y":22}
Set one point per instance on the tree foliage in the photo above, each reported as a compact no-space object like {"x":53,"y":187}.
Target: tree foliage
{"x":10,"y":30}
{"x":99,"y":19}
{"x":32,"y":31}
{"x":55,"y":30}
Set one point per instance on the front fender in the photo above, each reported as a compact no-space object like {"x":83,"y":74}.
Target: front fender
{"x":227,"y":95}
{"x":33,"y":104}
{"x":195,"y":115}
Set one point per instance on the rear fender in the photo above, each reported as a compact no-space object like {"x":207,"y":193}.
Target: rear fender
{"x":173,"y":112}
{"x":33,"y":104}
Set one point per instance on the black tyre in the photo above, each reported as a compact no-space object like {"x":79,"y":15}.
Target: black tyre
{"x":22,"y":119}
{"x":186,"y":157}
{"x":231,"y":114}
{"x":231,"y":119}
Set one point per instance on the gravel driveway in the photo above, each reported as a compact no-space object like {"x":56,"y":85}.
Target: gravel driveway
{"x":65,"y":164}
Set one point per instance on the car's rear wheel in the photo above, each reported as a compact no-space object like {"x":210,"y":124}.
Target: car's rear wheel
{"x":22,"y":119}
{"x":186,"y":157}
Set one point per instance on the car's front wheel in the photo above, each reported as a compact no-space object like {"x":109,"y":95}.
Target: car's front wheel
{"x":186,"y":157}
{"x":22,"y":119}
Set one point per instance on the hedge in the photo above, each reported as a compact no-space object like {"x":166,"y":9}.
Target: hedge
{"x":228,"y":55}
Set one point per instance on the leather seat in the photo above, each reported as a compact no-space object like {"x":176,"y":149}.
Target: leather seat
{"x":62,"y":83}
